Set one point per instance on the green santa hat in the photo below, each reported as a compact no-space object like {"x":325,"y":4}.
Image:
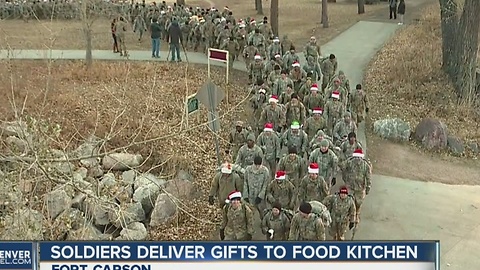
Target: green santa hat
{"x":295,"y":125}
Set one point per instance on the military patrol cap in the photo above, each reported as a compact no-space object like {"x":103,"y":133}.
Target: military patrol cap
{"x":324,"y":143}
{"x":251,"y":137}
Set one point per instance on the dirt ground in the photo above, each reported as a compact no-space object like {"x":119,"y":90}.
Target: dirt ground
{"x":300,"y":19}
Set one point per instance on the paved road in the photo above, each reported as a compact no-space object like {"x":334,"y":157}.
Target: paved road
{"x":397,"y":208}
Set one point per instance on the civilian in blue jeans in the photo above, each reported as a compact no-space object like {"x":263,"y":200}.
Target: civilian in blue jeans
{"x":175,"y":39}
{"x":155,"y":34}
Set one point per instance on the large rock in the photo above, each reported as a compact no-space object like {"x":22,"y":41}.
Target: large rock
{"x":87,"y":233}
{"x":121,"y":161}
{"x":69,"y":220}
{"x":455,"y":145}
{"x":147,"y":179}
{"x":57,"y":202}
{"x":392,"y":129}
{"x":163,"y":211}
{"x":134,"y":232}
{"x":126,"y":214}
{"x":98,"y":210}
{"x":432,"y":134}
{"x":147,"y":187}
{"x":23,"y":224}
{"x":88,"y":151}
{"x":182,"y":189}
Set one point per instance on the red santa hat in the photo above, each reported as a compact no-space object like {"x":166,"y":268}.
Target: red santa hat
{"x":234,"y":195}
{"x":257,"y":57}
{"x":281,"y":175}
{"x":252,"y":21}
{"x":262,"y":91}
{"x":336,"y":94}
{"x":343,"y":190}
{"x":227,"y":168}
{"x":358,"y":153}
{"x":313,"y":168}
{"x":273,"y":99}
{"x":296,"y":64}
{"x":314,"y":87}
{"x":268,"y":127}
{"x":317,"y":110}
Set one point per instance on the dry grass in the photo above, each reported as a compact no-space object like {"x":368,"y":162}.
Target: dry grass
{"x":135,"y":100}
{"x":300,"y":19}
{"x":405,"y":81}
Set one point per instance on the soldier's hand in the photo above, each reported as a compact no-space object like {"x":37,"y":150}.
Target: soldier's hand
{"x":366,"y":110}
{"x":210,"y":200}
{"x":258,"y":200}
{"x":248,"y":237}
{"x":222,"y":234}
{"x":367,"y":190}
{"x":334,"y":181}
{"x":277,"y":160}
{"x":352,"y":224}
{"x":246,"y":200}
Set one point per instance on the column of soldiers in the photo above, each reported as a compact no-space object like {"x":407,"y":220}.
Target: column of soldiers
{"x":302,"y":138}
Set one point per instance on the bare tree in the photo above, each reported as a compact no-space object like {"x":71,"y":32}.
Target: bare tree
{"x":460,"y":45}
{"x":274,"y":16}
{"x":259,"y":7}
{"x":361,"y":6}
{"x":88,"y":16}
{"x":324,"y":14}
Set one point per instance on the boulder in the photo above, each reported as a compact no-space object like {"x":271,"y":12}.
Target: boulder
{"x":68,"y":220}
{"x":89,"y":148}
{"x":129,"y":176}
{"x":134,"y":232}
{"x":147,"y":187}
{"x":107,"y":183}
{"x":95,"y":171}
{"x":87,"y":233}
{"x":126,"y":214}
{"x":57,"y":202}
{"x":25,"y":224}
{"x":97,"y":210}
{"x":181,"y":189}
{"x":121,"y":161}
{"x":146,"y":179}
{"x":392,"y":129}
{"x":432,"y":134}
{"x":163,"y":211}
{"x":455,"y":145}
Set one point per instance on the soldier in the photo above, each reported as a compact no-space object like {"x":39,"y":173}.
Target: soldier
{"x":238,"y":137}
{"x":337,"y":87}
{"x":290,"y":57}
{"x":281,"y":84}
{"x":272,"y":70}
{"x":208,"y":34}
{"x":223,"y":35}
{"x":273,"y":114}
{"x":274,"y":49}
{"x":313,"y":186}
{"x":286,"y":96}
{"x":305,"y":226}
{"x":265,"y":29}
{"x":258,"y":103}
{"x":329,"y":68}
{"x":231,"y":45}
{"x":315,"y":123}
{"x":312,"y":49}
{"x":269,"y":141}
{"x":259,"y":42}
{"x":237,"y":221}
{"x":249,"y":55}
{"x":281,"y":190}
{"x":358,"y":104}
{"x":348,"y":147}
{"x":255,"y":184}
{"x":344,"y":80}
{"x":298,"y":76}
{"x":248,"y":152}
{"x":342,"y":209}
{"x":257,"y":69}
{"x":297,"y":138}
{"x":223,"y":183}
{"x":334,"y":109}
{"x":121,"y":30}
{"x":197,"y":34}
{"x":286,"y":44}
{"x":317,"y":140}
{"x":139,"y":27}
{"x":357,"y":178}
{"x":313,"y":67}
{"x":276,"y":224}
{"x":343,"y":128}
{"x":327,"y":160}
{"x":314,"y":99}
{"x":241,"y":37}
{"x":306,"y":87}
{"x":295,"y":110}
{"x":294,"y":165}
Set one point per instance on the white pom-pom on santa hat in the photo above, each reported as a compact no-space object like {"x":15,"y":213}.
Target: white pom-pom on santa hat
{"x":314,"y":87}
{"x":276,"y":39}
{"x":313,"y":168}
{"x":257,"y":57}
{"x":296,"y":64}
{"x":262,"y":91}
{"x":358,"y":153}
{"x":278,"y":55}
{"x":336,"y":94}
{"x":273,"y":99}
{"x":317,"y":111}
{"x":233,"y":195}
{"x":226,"y":168}
{"x":280,"y":175}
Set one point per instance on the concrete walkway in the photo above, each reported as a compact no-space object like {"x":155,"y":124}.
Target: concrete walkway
{"x":397,"y":209}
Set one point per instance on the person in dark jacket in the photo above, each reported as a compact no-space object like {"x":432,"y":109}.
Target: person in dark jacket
{"x":393,"y":9}
{"x":155,"y":34}
{"x":175,"y":39}
{"x":401,"y":11}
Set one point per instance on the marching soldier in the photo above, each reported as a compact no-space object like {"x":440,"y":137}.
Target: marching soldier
{"x":305,"y":226}
{"x":342,"y":210}
{"x":237,"y":223}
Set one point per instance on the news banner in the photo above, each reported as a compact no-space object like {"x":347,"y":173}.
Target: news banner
{"x":219,"y":255}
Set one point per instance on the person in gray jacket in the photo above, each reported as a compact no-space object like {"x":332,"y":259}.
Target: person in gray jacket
{"x":175,"y":39}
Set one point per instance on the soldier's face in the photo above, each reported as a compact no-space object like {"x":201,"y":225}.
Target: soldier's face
{"x":313,"y":176}
{"x":292,"y":51}
{"x":238,"y":128}
{"x":343,"y":196}
{"x":324,"y":148}
{"x":275,"y":211}
{"x":268,"y":133}
{"x":314,"y":93}
{"x":316,"y":116}
{"x":295,"y":131}
{"x":342,"y":77}
{"x":250,"y":143}
{"x":303,"y":215}
{"x":337,"y":82}
{"x":352,"y":140}
{"x":236,"y":203}
{"x":347,"y":119}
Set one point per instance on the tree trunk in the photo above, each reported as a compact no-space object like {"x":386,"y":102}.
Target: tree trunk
{"x":449,"y":19}
{"x":324,"y":14}
{"x":259,"y":6}
{"x":466,"y":51}
{"x":361,"y":6}
{"x":88,"y":51}
{"x":274,"y":16}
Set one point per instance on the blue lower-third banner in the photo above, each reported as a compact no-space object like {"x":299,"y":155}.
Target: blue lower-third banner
{"x":18,"y":255}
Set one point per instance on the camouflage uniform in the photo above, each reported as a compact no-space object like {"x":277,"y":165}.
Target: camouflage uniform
{"x":295,"y":112}
{"x":342,"y":212}
{"x":329,"y":67}
{"x":274,"y":115}
{"x":313,"y":67}
{"x":312,"y":189}
{"x":273,"y":50}
{"x":280,"y":225}
{"x":258,"y":102}
{"x":358,"y":105}
{"x":289,"y":58}
{"x":313,"y":50}
{"x":237,"y":139}
{"x":286,"y":44}
{"x":295,"y":167}
{"x":241,"y":37}
{"x":343,"y":128}
{"x":317,"y":140}
{"x":306,"y":88}
{"x":237,"y":223}
{"x":274,"y":75}
{"x":306,"y":229}
{"x":223,"y":184}
{"x":298,"y":140}
{"x":139,"y":26}
{"x":298,"y":77}
{"x":334,"y":110}
{"x":347,"y":148}
{"x":246,"y":154}
{"x":248,"y":54}
{"x":232,"y":47}
{"x":315,"y":99}
{"x":339,"y":88}
{"x":255,"y":185}
{"x":313,"y":125}
{"x":257,"y":71}
{"x":281,"y":84}
{"x":259,"y":42}
{"x":282,"y":191}
{"x":357,"y":177}
{"x":270,"y":143}
{"x":327,"y":162}
{"x":209,"y":34}
{"x":286,"y":97}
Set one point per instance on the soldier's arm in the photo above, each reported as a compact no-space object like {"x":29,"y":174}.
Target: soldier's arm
{"x":336,"y":130}
{"x":324,"y":186}
{"x":352,"y":210}
{"x":249,"y":216}
{"x":293,"y":234}
{"x":301,"y":192}
{"x":304,"y":142}
{"x":239,"y":157}
{"x":214,"y":186}
{"x":334,"y":164}
{"x":281,"y":165}
{"x":328,"y":202}
{"x":224,"y":217}
{"x":283,"y":117}
{"x":365,"y":100}
{"x":238,"y":182}
{"x":246,"y":188}
{"x":264,"y":224}
{"x":269,"y":192}
{"x":303,"y":115}
{"x":320,"y":229}
{"x":368,"y":177}
{"x":292,"y":195}
{"x":278,"y":147}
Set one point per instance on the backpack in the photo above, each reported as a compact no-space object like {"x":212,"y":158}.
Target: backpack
{"x":288,"y":213}
{"x":321,"y":211}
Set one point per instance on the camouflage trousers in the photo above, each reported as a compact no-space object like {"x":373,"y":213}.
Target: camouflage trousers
{"x":272,"y":166}
{"x":358,"y":117}
{"x":359,"y":197}
{"x":234,"y":152}
{"x":338,"y":229}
